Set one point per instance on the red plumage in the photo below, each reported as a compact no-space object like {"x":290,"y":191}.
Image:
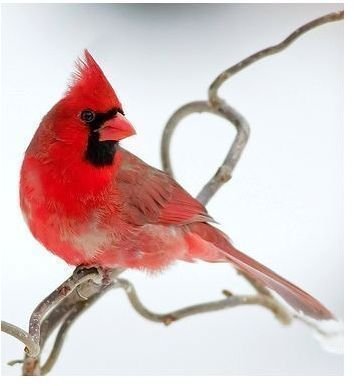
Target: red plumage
{"x":93,"y":203}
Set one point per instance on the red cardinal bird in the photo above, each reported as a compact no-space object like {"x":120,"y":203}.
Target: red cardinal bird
{"x":93,"y":203}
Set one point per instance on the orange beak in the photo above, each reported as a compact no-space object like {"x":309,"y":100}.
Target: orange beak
{"x":116,"y":129}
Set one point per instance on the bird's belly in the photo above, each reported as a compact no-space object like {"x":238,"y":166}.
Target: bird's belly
{"x":150,"y":247}
{"x":111,"y":244}
{"x":73,"y":240}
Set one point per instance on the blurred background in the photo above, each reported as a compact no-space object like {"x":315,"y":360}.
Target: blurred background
{"x":284,"y":205}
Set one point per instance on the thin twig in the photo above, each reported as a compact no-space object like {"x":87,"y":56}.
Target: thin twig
{"x":55,"y":317}
{"x":72,"y":308}
{"x":21,"y":335}
{"x":223,"y":174}
{"x":215,"y":105}
{"x":231,"y":301}
{"x":15,"y":362}
{"x":59,"y":341}
{"x":71,"y":316}
{"x":220,"y":79}
{"x":79,"y":276}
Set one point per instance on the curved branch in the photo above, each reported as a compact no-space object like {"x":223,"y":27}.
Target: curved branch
{"x":216,"y":105}
{"x":220,"y":79}
{"x":176,"y":117}
{"x":59,"y":341}
{"x":79,"y":276}
{"x":74,"y":309}
{"x":32,"y":338}
{"x":224,"y":173}
{"x":23,"y":336}
{"x":231,"y":301}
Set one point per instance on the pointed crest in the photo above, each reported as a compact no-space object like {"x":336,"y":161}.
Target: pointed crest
{"x":90,"y":86}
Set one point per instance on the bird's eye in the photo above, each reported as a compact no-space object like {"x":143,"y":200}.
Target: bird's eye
{"x":87,"y":116}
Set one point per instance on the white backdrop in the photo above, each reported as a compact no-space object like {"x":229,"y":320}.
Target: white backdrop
{"x":283,"y":206}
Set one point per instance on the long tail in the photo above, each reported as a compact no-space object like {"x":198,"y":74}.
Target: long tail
{"x":295,"y":296}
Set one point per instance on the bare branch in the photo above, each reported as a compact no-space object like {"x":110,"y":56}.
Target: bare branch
{"x":223,"y":174}
{"x":31,"y":366}
{"x":21,"y":335}
{"x":79,"y":276}
{"x":231,"y":301}
{"x":15,"y":362}
{"x":215,"y":105}
{"x":214,"y":87}
{"x":70,"y":317}
{"x":59,"y":341}
{"x":70,"y":309}
{"x":55,"y":317}
{"x":176,"y":117}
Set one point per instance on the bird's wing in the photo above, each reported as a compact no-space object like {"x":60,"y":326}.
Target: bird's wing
{"x":148,"y":195}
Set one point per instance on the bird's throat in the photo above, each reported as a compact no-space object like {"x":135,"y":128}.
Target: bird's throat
{"x":100,"y":153}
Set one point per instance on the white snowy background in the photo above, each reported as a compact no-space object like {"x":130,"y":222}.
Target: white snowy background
{"x":283,"y":206}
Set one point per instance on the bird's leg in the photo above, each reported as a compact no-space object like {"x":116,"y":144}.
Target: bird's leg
{"x":105,"y":275}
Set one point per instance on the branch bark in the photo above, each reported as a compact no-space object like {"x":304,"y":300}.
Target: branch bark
{"x":231,"y":301}
{"x":79,"y":277}
{"x":216,"y":105}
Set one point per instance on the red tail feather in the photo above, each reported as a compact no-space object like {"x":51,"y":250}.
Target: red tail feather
{"x":296,"y":297}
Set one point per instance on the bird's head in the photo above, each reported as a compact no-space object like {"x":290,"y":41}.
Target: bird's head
{"x":89,"y":119}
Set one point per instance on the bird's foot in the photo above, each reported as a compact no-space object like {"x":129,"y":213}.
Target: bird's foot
{"x":105,"y":274}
